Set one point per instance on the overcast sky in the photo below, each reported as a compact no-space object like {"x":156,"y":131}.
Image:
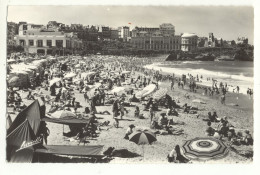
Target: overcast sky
{"x":226,"y":22}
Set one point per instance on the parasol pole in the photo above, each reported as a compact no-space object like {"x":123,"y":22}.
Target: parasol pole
{"x":143,"y":152}
{"x":63,"y":131}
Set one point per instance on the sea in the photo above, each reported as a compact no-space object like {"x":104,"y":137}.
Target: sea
{"x":234,"y":73}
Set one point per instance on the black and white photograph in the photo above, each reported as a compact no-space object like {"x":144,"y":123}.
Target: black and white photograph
{"x":129,"y":84}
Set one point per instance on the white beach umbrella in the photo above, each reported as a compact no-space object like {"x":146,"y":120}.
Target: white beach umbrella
{"x":54,"y":80}
{"x":70,"y":75}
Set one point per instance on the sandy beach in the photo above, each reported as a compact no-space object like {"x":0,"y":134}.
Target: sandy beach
{"x":240,"y":116}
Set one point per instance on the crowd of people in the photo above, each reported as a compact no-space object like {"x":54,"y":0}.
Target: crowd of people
{"x":97,"y":90}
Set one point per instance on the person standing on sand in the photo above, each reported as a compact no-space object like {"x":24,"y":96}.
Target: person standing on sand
{"x":238,"y":89}
{"x":223,"y":99}
{"x":151,"y":112}
{"x":172,"y":85}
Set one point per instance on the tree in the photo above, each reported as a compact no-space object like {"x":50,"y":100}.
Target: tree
{"x":242,"y":55}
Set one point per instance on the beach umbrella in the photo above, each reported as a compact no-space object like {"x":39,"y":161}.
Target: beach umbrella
{"x":11,"y":61}
{"x":118,"y":90}
{"x":70,"y":75}
{"x":77,"y":65}
{"x":140,"y":94}
{"x":85,"y":74}
{"x":160,"y":93}
{"x":54,"y":80}
{"x":13,"y":80}
{"x":126,"y":72}
{"x":142,"y":137}
{"x":204,"y":149}
{"x":63,"y":114}
{"x":198,"y":101}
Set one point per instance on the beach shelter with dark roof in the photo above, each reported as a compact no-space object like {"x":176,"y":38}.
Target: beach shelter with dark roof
{"x":21,"y":143}
{"x":32,"y":113}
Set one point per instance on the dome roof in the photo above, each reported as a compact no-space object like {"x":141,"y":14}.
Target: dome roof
{"x":188,"y":35}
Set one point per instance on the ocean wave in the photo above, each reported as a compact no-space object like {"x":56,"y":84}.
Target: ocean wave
{"x":203,"y":72}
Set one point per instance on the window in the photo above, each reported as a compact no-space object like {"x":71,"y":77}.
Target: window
{"x":30,"y":42}
{"x":39,"y":43}
{"x":24,"y":27}
{"x":59,"y":43}
{"x":49,"y":43}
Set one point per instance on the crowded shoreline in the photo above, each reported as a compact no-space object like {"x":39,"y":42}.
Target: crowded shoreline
{"x":189,"y":111}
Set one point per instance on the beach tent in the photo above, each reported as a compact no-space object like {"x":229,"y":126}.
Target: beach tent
{"x":66,"y":120}
{"x":31,"y":113}
{"x":21,"y":143}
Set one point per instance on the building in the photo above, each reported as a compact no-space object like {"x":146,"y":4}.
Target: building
{"x":159,"y":43}
{"x":44,"y":41}
{"x":167,"y":29}
{"x":76,"y":27}
{"x":124,"y":33}
{"x":211,"y":40}
{"x":202,"y":42}
{"x":106,"y":33}
{"x":24,"y":28}
{"x":54,"y":25}
{"x":242,"y":40}
{"x":144,"y":31}
{"x":114,"y":34}
{"x":189,"y":42}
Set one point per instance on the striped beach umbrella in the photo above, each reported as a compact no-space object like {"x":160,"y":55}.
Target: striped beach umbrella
{"x":204,"y":149}
{"x":160,"y":93}
{"x":143,"y":137}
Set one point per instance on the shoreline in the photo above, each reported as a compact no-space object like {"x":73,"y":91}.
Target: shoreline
{"x":159,"y":66}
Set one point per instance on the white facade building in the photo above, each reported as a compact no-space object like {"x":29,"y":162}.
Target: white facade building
{"x":189,"y":42}
{"x":43,"y":41}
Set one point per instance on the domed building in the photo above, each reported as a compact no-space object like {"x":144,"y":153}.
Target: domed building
{"x":188,"y":42}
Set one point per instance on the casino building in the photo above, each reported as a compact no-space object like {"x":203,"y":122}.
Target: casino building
{"x":38,"y":39}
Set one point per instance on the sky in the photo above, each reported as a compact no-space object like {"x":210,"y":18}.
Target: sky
{"x":227,"y":22}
